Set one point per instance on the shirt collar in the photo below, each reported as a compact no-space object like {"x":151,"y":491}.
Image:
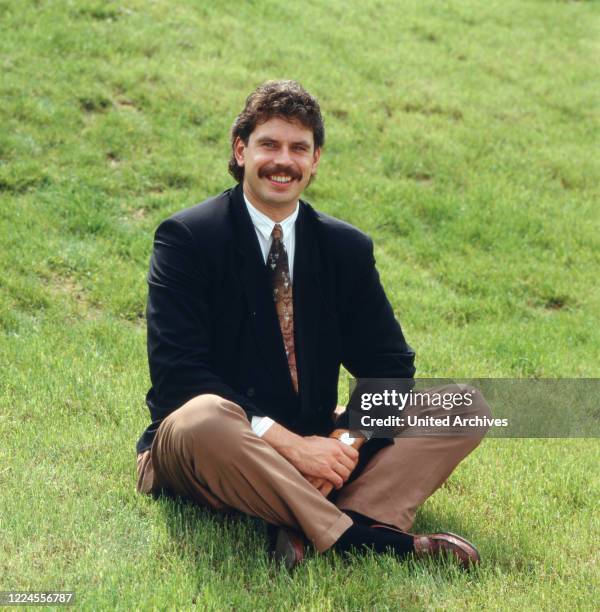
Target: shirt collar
{"x":265,"y":225}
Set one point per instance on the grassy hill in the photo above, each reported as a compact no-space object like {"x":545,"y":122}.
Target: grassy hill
{"x":463,"y":136}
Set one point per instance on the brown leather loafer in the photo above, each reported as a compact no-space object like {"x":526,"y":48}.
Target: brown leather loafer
{"x":446,"y":543}
{"x":443,"y":544}
{"x":286,"y":546}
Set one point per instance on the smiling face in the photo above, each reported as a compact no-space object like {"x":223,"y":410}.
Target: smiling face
{"x":279,"y":160}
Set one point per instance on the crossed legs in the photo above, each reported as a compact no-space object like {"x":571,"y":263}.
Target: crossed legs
{"x":206,"y":451}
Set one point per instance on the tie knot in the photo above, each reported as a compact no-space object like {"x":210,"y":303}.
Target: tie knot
{"x":277,"y":232}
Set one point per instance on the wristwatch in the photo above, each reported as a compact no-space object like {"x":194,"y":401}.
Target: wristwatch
{"x":346,"y":437}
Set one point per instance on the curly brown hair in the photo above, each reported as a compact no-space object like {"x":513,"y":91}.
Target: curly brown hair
{"x":285,"y":99}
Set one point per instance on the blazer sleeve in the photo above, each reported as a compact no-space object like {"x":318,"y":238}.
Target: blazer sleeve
{"x":178,"y":321}
{"x":373,"y":345}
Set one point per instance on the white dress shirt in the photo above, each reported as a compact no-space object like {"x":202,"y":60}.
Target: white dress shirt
{"x":264,"y":227}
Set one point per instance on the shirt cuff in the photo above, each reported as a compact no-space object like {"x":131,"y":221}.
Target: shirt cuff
{"x":260,"y":425}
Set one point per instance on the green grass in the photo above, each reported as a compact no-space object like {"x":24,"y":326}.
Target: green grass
{"x":463,"y":136}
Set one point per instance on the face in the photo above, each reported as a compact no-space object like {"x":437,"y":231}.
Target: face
{"x":278,"y":162}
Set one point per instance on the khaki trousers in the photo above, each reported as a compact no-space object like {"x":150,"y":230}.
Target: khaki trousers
{"x":206,"y":451}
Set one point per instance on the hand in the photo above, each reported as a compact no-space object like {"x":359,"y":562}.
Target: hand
{"x":323,"y":458}
{"x":323,"y":486}
{"x":319,"y":460}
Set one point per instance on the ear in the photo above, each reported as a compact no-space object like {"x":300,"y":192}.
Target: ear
{"x":238,"y":151}
{"x":315,"y":163}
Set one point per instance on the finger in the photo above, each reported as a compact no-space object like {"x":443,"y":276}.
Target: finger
{"x":315,"y":481}
{"x":345,"y":460}
{"x":349,"y":451}
{"x":334,"y":479}
{"x":326,"y":489}
{"x":342,"y":470}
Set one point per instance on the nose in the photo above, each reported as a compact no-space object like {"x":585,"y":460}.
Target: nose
{"x":283,"y":156}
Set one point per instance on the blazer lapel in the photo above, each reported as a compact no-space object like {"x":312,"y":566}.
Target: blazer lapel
{"x":307,"y":298}
{"x":256,"y":286}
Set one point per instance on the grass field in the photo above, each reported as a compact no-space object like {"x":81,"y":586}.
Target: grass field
{"x":462,"y":135}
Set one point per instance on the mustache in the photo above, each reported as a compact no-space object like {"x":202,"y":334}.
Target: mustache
{"x":279,"y":169}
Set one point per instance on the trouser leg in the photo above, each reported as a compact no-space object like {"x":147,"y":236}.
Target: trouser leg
{"x":400,"y":477}
{"x":207,"y":451}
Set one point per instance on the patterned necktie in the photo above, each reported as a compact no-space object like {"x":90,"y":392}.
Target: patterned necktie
{"x":279,"y":274}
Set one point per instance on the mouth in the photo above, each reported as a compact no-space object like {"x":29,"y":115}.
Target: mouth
{"x":280,"y":179}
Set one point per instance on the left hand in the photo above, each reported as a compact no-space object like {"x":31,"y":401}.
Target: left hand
{"x":323,"y":486}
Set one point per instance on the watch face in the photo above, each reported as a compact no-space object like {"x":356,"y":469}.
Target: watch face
{"x":346,"y":438}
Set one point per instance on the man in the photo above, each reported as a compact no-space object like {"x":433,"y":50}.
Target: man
{"x":255,"y":300}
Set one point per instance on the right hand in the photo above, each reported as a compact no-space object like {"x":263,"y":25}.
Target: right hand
{"x":318,"y":457}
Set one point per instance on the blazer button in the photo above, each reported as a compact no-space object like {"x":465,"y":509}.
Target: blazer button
{"x":250,"y":392}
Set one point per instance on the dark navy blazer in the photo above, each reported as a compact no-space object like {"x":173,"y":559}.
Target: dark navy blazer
{"x":213,"y":328}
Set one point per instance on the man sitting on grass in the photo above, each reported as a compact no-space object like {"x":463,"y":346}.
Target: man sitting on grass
{"x":255,"y":301}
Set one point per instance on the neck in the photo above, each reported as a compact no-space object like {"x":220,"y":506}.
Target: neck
{"x":276,"y":213}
